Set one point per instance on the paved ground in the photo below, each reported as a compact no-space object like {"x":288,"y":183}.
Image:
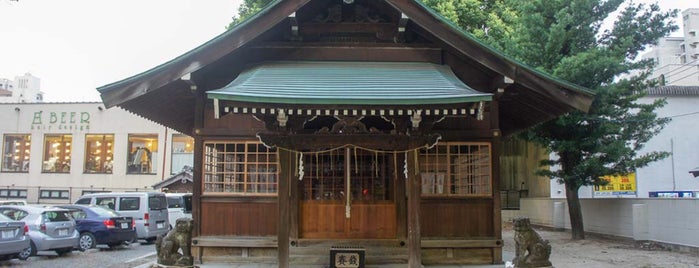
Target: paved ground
{"x":595,"y":251}
{"x":600,"y":252}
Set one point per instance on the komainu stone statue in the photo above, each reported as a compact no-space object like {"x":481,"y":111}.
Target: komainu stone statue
{"x":530,"y":249}
{"x":180,"y":237}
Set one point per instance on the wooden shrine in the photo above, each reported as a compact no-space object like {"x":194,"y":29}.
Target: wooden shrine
{"x":368,"y":124}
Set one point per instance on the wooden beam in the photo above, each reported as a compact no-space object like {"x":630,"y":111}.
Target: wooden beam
{"x":414,"y":191}
{"x":234,"y":242}
{"x":347,"y":27}
{"x":289,"y":51}
{"x":388,"y":142}
{"x":471,"y":243}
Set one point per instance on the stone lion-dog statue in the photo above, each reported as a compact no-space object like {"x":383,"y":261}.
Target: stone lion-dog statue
{"x":530,"y":249}
{"x":167,"y":247}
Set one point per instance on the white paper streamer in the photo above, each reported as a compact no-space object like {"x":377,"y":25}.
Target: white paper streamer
{"x":300,"y":166}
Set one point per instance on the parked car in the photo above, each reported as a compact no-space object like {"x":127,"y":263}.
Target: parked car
{"x":49,"y":228}
{"x":179,"y":205}
{"x":13,"y":202}
{"x":148,"y":209}
{"x":12,"y":238}
{"x":99,"y":225}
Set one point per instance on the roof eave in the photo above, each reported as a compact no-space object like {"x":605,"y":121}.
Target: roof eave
{"x":571,"y":95}
{"x":132,"y":87}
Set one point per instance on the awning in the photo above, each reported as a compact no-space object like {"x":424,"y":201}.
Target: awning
{"x":349,"y":83}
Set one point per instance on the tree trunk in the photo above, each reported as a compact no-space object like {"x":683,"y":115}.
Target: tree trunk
{"x":575,"y":212}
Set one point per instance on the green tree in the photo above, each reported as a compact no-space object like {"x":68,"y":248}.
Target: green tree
{"x":491,"y":21}
{"x":247,"y":9}
{"x":566,"y":38}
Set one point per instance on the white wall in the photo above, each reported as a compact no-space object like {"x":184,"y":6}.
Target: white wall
{"x":672,"y":221}
{"x":680,"y":137}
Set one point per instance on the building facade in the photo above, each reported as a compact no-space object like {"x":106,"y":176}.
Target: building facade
{"x":23,"y":89}
{"x":677,"y":58}
{"x":56,"y":152}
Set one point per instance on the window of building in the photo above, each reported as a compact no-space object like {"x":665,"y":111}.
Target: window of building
{"x":16,"y":148}
{"x":244,"y":167}
{"x":143,"y":154}
{"x":99,"y":153}
{"x":54,"y":194}
{"x":456,"y":169}
{"x":13,"y":193}
{"x":182,"y":153}
{"x":57,"y":149}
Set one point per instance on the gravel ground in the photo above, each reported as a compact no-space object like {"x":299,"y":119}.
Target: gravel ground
{"x":597,"y":251}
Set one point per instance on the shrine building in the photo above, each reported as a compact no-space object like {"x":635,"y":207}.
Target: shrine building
{"x":325,"y":125}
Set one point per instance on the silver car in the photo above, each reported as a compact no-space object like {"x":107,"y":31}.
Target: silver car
{"x":12,"y":238}
{"x":50,"y":228}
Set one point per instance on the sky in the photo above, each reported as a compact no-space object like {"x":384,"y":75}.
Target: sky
{"x":75,"y":46}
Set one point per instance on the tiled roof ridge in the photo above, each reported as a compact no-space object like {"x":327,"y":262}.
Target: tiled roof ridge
{"x":674,"y":91}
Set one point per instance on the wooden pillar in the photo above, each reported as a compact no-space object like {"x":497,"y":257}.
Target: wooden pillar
{"x":495,"y":163}
{"x":414,"y":188}
{"x":401,"y":199}
{"x":197,"y":170}
{"x":286,"y":160}
{"x":294,"y":200}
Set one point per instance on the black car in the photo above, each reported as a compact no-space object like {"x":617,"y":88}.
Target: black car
{"x":99,"y":225}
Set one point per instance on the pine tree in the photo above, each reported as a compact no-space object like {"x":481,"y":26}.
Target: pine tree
{"x":566,"y":38}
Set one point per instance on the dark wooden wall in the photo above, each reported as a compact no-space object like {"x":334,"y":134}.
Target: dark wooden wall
{"x":239,"y":218}
{"x":456,"y":218}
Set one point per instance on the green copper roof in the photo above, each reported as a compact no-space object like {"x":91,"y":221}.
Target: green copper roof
{"x":349,"y":83}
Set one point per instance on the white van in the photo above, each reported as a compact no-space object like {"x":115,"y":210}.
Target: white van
{"x":148,"y":209}
{"x":179,"y":205}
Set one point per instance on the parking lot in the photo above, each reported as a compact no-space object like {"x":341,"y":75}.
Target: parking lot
{"x":125,"y":256}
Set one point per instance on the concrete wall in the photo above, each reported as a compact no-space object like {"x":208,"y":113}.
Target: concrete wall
{"x":671,"y":221}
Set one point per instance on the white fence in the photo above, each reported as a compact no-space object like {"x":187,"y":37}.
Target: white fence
{"x":670,"y":221}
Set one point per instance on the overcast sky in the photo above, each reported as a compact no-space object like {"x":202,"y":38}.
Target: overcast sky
{"x":75,"y":46}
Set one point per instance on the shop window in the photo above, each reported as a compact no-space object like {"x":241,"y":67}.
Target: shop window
{"x":182,"y":153}
{"x":143,"y":154}
{"x":16,"y":148}
{"x":456,"y":169}
{"x":57,"y":149}
{"x":13,"y":193}
{"x":54,"y":194}
{"x":99,"y":150}
{"x":247,"y":168}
